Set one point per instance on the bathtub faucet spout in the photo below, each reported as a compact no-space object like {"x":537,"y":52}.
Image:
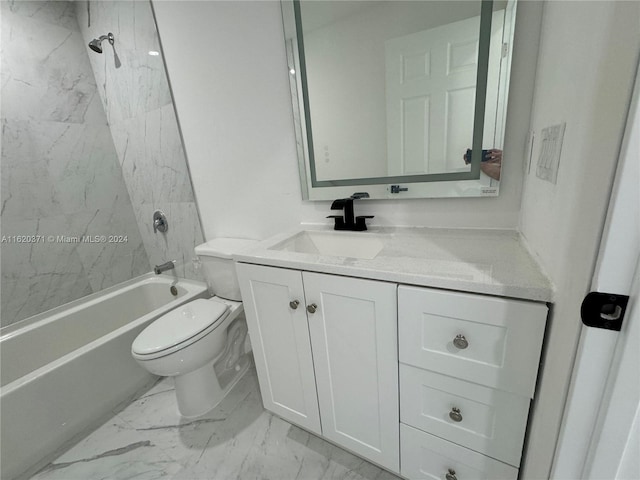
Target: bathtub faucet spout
{"x":158,"y":269}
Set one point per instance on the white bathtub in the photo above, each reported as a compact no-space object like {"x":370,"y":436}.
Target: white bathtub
{"x":63,"y":371}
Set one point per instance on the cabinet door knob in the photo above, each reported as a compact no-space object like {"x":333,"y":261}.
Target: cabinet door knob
{"x":294,"y":304}
{"x":451,"y":475}
{"x":312,"y":308}
{"x":460,"y":342}
{"x":455,"y":414}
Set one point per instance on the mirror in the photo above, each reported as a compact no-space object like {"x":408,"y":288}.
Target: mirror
{"x":401,"y":99}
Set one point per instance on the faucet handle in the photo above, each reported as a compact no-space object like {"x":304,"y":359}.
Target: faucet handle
{"x":361,"y":225}
{"x":359,"y":195}
{"x":160,"y":223}
{"x":339,"y":221}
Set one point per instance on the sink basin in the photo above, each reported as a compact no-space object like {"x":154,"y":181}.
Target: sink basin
{"x":335,"y":244}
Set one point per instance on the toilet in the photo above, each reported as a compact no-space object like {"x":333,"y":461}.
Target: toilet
{"x":201,"y":344}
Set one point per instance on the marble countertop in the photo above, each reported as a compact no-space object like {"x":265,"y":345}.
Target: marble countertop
{"x":494,"y":262}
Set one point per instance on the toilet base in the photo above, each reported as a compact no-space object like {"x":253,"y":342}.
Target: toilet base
{"x":200,"y":391}
{"x":203,"y":389}
{"x":196,"y":391}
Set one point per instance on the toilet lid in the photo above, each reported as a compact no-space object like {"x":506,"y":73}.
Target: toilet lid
{"x":179,"y":325}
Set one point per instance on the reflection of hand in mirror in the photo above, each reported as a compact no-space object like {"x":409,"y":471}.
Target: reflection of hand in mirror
{"x":492,"y":167}
{"x":491,"y":162}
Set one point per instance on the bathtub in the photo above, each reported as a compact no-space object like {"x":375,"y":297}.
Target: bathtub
{"x":63,"y":371}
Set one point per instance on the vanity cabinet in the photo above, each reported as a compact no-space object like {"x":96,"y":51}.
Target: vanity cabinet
{"x":326,"y":355}
{"x":425,"y":382}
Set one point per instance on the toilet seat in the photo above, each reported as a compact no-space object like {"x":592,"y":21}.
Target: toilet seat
{"x":179,"y":328}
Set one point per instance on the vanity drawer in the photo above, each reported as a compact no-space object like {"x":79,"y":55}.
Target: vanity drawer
{"x":488,"y":340}
{"x":423,"y":456}
{"x":486,"y":420}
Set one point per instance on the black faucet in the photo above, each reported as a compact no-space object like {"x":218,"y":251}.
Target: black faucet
{"x":348,"y":221}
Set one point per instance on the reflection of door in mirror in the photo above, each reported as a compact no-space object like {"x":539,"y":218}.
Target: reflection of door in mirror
{"x":430,"y":94}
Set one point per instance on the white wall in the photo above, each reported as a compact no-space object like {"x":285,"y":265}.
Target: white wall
{"x":227,"y":66}
{"x":586,"y":66}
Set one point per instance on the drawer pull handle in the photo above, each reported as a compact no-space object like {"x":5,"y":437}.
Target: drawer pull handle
{"x":460,"y":342}
{"x":451,"y":475}
{"x":312,"y":308}
{"x":455,"y":415}
{"x":294,"y":304}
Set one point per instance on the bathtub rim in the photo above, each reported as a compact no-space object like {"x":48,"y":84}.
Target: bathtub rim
{"x":8,"y":331}
{"x":194,"y":289}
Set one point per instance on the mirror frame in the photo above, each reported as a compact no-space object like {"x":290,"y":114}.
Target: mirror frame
{"x":442,"y":185}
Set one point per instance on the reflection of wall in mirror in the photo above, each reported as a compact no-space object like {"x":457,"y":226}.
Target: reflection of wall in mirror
{"x":355,"y":146}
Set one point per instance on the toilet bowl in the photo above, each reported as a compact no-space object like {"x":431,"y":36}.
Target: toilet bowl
{"x":201,"y":343}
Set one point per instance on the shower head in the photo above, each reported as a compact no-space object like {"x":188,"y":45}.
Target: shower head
{"x":96,"y":43}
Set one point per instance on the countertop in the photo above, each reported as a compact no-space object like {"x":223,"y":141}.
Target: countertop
{"x":493,"y":262}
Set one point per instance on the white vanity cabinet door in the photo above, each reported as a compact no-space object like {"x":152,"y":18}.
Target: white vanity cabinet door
{"x":280,"y":340}
{"x":503,"y":337}
{"x":354,"y":339}
{"x":425,"y":456}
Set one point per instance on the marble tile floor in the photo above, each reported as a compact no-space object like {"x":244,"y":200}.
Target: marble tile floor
{"x":236,"y":440}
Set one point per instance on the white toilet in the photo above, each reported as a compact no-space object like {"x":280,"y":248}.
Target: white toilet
{"x":201,"y":343}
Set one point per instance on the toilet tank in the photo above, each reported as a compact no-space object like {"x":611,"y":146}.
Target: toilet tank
{"x":217,"y":265}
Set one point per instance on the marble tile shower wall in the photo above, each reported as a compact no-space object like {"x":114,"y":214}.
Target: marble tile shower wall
{"x":138,"y":105}
{"x":60,"y":170}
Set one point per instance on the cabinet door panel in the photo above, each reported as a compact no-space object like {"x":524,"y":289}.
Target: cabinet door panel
{"x":354,"y":340}
{"x":280,"y":340}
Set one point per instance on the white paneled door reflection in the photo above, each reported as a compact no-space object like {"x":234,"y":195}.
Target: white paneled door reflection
{"x":430,"y":89}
